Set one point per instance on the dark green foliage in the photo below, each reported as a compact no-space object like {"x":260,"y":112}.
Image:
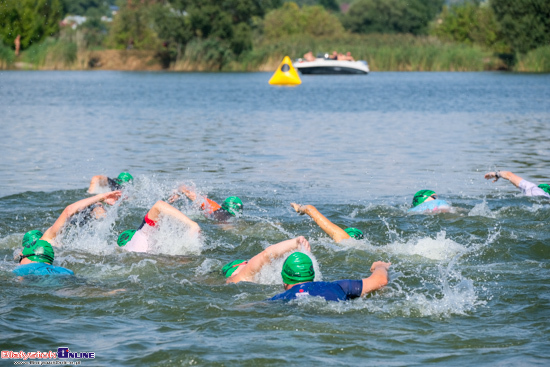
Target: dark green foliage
{"x":391,"y":16}
{"x":524,"y":23}
{"x":94,"y":8}
{"x":32,"y":19}
{"x":292,"y":20}
{"x":7,"y":56}
{"x":470,"y":23}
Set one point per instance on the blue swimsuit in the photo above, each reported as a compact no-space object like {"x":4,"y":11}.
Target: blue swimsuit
{"x":341,"y":290}
{"x":430,"y":206}
{"x":41,"y":269}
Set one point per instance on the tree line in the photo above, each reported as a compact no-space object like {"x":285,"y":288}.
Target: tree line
{"x":228,"y":30}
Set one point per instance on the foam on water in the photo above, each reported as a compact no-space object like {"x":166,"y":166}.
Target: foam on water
{"x":440,"y":248}
{"x":174,"y":238}
{"x":481,"y":210}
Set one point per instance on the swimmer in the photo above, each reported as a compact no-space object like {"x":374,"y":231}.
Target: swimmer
{"x":37,"y":255}
{"x":527,"y":188}
{"x":138,"y":240}
{"x":100,"y":182}
{"x":336,"y":233}
{"x":245,"y":271}
{"x":298,"y":275}
{"x":426,"y":201}
{"x":231,"y":207}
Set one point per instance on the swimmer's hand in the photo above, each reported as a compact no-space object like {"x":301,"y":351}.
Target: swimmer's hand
{"x":300,"y":209}
{"x":111,"y":197}
{"x":491,"y":175}
{"x":303,"y":243}
{"x":173,"y":198}
{"x":380,"y":265}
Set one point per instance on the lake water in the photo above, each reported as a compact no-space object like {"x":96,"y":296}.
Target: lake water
{"x":471,"y":287}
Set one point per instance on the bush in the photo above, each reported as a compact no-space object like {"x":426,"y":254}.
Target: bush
{"x":7,"y":56}
{"x":391,"y":16}
{"x":309,"y":20}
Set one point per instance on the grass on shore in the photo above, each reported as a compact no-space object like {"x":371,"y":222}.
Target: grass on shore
{"x":399,"y":52}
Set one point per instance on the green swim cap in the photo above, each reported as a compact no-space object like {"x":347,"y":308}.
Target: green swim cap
{"x":41,"y":251}
{"x":233,"y":205}
{"x":421,"y":196}
{"x":31,"y":237}
{"x":124,"y":177}
{"x":229,"y":268}
{"x":354,"y":233}
{"x":297,"y":268}
{"x":125,"y":237}
{"x":545,"y":187}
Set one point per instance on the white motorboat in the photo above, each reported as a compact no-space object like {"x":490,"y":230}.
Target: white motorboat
{"x":324,"y":65}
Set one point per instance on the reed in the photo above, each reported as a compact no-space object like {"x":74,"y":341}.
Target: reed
{"x":51,"y":54}
{"x":382,"y":52}
{"x":537,"y":60}
{"x":7,"y":56}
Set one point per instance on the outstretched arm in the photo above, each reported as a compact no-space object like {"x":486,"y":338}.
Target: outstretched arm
{"x":164,"y":208}
{"x":266,"y":256}
{"x":335,"y":232}
{"x":378,"y":278}
{"x":97,"y":182}
{"x":207,"y":205}
{"x":69,"y":211}
{"x":507,"y":175}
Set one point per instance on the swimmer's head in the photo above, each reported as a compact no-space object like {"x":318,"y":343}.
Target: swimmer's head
{"x":31,"y":237}
{"x":423,"y":195}
{"x":124,"y":177}
{"x":545,"y":187}
{"x":41,"y":251}
{"x":125,"y":237}
{"x":298,"y":268}
{"x":233,"y":205}
{"x":354,"y":233}
{"x":229,"y":268}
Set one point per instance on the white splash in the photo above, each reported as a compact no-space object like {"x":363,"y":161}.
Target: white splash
{"x":440,"y":248}
{"x":481,"y":210}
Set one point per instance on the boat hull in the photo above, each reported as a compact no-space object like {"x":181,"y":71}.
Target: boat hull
{"x":328,"y":67}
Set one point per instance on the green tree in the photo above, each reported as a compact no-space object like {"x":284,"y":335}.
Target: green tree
{"x":133,"y":27}
{"x":470,"y":23}
{"x":85,"y":7}
{"x":32,"y":19}
{"x":291,"y":20}
{"x":524,"y":23}
{"x":391,"y":16}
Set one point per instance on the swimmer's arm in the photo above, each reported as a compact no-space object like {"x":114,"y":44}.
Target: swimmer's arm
{"x":69,"y":211}
{"x":184,"y":190}
{"x":378,"y":278}
{"x":335,"y":232}
{"x":266,"y":256}
{"x":164,"y":208}
{"x":96,"y":182}
{"x":507,"y":175}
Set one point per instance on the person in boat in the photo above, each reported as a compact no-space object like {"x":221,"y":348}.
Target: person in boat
{"x":334,"y":55}
{"x":426,"y":201}
{"x":527,"y":188}
{"x":100,"y":182}
{"x":335,"y":232}
{"x":231,"y":207}
{"x":245,"y":270}
{"x":309,"y":56}
{"x":349,"y":57}
{"x":298,"y":275}
{"x":37,"y":254}
{"x":138,"y":240}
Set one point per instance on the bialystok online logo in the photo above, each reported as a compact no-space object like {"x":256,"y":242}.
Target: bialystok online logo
{"x":62,"y":353}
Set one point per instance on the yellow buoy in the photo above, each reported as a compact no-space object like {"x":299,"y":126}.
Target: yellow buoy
{"x":285,"y":74}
